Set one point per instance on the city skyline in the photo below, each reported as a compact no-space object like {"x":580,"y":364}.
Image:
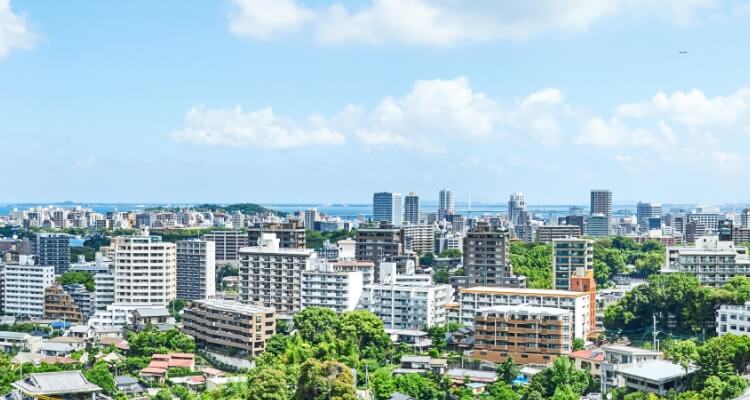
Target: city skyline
{"x":570,"y":100}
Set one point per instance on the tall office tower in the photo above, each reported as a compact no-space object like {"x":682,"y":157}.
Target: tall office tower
{"x":228,"y":244}
{"x":377,"y":243}
{"x":145,"y":270}
{"x":311,"y":215}
{"x":291,"y":234}
{"x":517,"y":212}
{"x":411,"y":208}
{"x":487,"y":257}
{"x":447,"y":204}
{"x":745,"y":218}
{"x":387,"y":206}
{"x":645,"y":211}
{"x":571,"y":257}
{"x":24,"y":284}
{"x":271,"y":276}
{"x":53,"y":249}
{"x":601,"y":203}
{"x":196,"y":269}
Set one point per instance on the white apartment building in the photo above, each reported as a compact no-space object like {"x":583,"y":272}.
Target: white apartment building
{"x":407,"y":306}
{"x":326,"y":287}
{"x":733,"y":319}
{"x":196,"y":269}
{"x":712,"y":261}
{"x":366,"y":267}
{"x":145,"y":270}
{"x":419,"y":238}
{"x":24,"y":284}
{"x":104,"y":289}
{"x":118,"y":314}
{"x":471,"y":300}
{"x":271,"y":276}
{"x":347,"y":249}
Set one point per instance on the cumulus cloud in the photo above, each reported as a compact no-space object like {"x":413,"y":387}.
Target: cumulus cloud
{"x":15,"y":32}
{"x":427,"y":117}
{"x":444,"y":22}
{"x":261,"y":128}
{"x":682,"y":126}
{"x":265,"y":19}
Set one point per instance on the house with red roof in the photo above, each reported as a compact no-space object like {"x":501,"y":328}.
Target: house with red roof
{"x":160,"y":364}
{"x":589,"y":359}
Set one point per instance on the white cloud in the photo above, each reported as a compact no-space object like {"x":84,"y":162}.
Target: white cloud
{"x":433,"y":114}
{"x":694,"y":109}
{"x":445,"y":22}
{"x":265,"y":19}
{"x":15,"y":31}
{"x":261,"y":128}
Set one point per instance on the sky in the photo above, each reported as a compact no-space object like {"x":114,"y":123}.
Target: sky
{"x":288,"y":101}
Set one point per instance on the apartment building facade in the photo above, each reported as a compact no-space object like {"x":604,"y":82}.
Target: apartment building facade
{"x":229,"y":327}
{"x":145,"y":270}
{"x":407,"y":305}
{"x":486,"y":254}
{"x":473,"y":299}
{"x":326,"y":287}
{"x":524,"y":333}
{"x":24,"y":286}
{"x":227,"y":245}
{"x":196,"y":269}
{"x":271,"y":276}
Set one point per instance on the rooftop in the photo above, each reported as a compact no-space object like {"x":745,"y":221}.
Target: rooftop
{"x":526,"y":309}
{"x":51,"y":383}
{"x":629,"y":349}
{"x":234,"y":306}
{"x":14,"y":335}
{"x":522,"y":291}
{"x":657,"y":371}
{"x":152,"y":311}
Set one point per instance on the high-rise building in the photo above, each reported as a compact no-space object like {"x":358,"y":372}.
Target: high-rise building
{"x":745,"y":218}
{"x":196,"y":269}
{"x":53,"y":249}
{"x":407,"y":305}
{"x":601,"y":203}
{"x":571,"y":257}
{"x":714,"y":262}
{"x":487,"y":257}
{"x":24,"y":285}
{"x":597,"y":225}
{"x":446,"y":204}
{"x":548,"y":233}
{"x":517,"y":211}
{"x":271,"y":276}
{"x":419,"y":238}
{"x":291,"y":234}
{"x":411,"y":208}
{"x":387,"y":206}
{"x":645,"y":211}
{"x":377,"y":243}
{"x":228,"y":244}
{"x":324,"y":286}
{"x":59,"y":305}
{"x":311,"y":215}
{"x":145,"y":270}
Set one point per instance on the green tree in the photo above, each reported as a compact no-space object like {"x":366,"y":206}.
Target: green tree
{"x":267,"y":384}
{"x":99,"y":375}
{"x":325,"y":380}
{"x":312,"y":323}
{"x":417,"y":386}
{"x":578,"y":344}
{"x":683,"y":352}
{"x":162,"y":394}
{"x":382,"y":383}
{"x":451,"y":253}
{"x":507,"y":371}
{"x":77,"y":277}
{"x":367,"y":333}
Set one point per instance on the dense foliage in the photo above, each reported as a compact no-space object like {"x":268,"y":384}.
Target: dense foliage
{"x":315,"y":239}
{"x":77,"y":277}
{"x":534,"y":261}
{"x":151,"y":340}
{"x":678,"y":298}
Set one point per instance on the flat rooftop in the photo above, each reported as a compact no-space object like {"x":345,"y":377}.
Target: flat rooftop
{"x":522,"y":291}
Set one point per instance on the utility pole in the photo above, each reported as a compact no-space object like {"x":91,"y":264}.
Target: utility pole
{"x":655,"y":333}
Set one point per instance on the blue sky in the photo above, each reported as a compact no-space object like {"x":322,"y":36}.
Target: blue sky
{"x":290,"y":101}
